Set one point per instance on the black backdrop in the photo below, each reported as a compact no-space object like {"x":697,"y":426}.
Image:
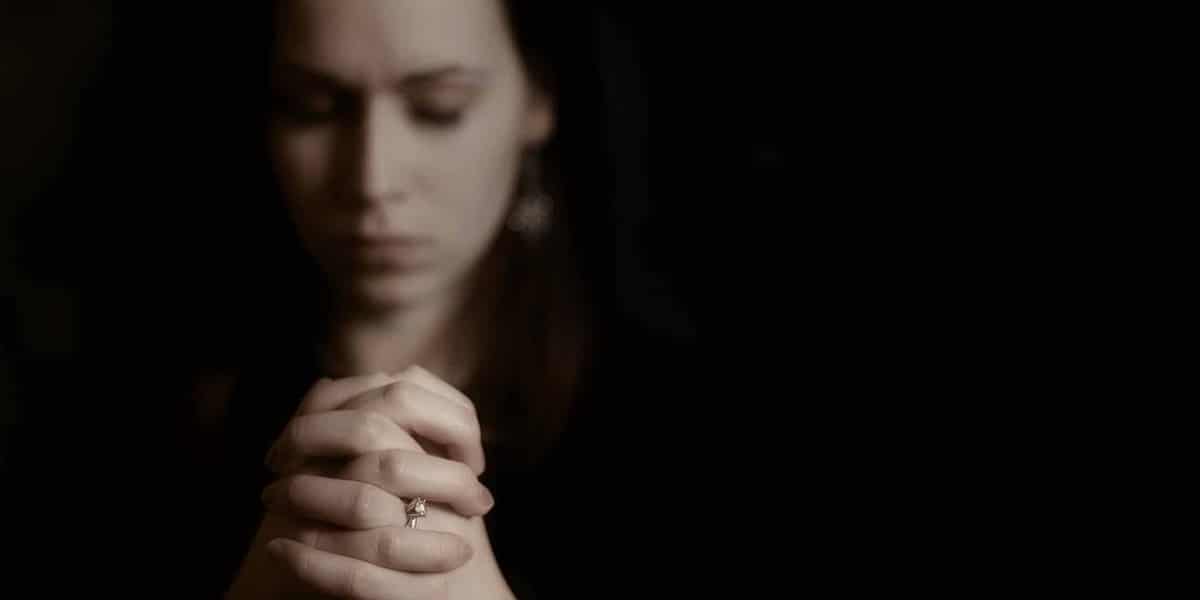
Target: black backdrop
{"x":859,"y":156}
{"x":118,"y":135}
{"x":98,"y":95}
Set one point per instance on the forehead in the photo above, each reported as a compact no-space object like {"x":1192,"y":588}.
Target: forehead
{"x":368,"y":39}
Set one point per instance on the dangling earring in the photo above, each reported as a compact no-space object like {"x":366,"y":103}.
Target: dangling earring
{"x":530,"y":217}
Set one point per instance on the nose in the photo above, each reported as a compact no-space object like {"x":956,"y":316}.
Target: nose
{"x":384,"y":150}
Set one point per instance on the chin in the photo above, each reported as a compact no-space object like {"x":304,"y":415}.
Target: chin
{"x":387,"y":291}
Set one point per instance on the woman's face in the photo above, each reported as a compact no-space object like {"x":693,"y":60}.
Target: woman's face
{"x":397,"y":135}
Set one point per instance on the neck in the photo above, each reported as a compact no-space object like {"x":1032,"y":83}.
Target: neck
{"x":363,"y":341}
{"x":443,"y":333}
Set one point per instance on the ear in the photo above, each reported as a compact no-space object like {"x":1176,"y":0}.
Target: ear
{"x":539,"y":118}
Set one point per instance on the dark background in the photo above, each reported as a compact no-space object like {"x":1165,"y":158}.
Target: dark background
{"x":859,"y":156}
{"x":114,"y":143}
{"x":52,"y":56}
{"x":712,"y":110}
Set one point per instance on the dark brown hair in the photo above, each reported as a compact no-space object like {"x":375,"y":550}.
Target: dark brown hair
{"x":542,"y":334}
{"x":538,"y":302}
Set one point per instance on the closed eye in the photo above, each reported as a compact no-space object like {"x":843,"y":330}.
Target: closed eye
{"x":437,"y":98}
{"x":441,"y":102}
{"x":438,"y":117}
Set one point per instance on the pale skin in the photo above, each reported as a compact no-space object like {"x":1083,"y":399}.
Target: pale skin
{"x":397,"y":144}
{"x":335,"y":517}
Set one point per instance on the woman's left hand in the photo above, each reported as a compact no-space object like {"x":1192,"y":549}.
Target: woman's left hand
{"x":431,"y":412}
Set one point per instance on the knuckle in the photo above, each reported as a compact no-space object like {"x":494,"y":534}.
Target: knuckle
{"x":466,"y":423}
{"x":293,"y":434}
{"x":309,"y":536}
{"x":293,"y":495}
{"x":388,"y":547}
{"x":319,"y":391}
{"x":473,"y":430}
{"x":393,"y":466}
{"x":288,"y":491}
{"x":363,"y":507}
{"x":467,"y":420}
{"x":370,"y":431}
{"x":321,"y":387}
{"x":401,"y":394}
{"x":464,"y":476}
{"x":302,"y":562}
{"x":378,"y":379}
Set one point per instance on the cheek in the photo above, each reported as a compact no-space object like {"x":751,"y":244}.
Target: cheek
{"x":301,"y":163}
{"x":479,"y":176}
{"x":482,"y":200}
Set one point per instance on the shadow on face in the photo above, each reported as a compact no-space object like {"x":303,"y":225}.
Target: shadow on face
{"x":397,"y":132}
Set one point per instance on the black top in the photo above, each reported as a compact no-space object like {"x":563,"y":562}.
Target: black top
{"x":557,"y":527}
{"x":103,"y":494}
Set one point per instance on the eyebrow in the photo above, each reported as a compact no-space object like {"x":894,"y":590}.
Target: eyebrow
{"x":415,"y":79}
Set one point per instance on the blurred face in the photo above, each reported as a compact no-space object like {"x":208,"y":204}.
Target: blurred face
{"x":397,"y":135}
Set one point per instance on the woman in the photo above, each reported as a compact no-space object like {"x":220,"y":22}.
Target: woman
{"x":433,"y":382}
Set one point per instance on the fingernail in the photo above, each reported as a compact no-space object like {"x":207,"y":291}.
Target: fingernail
{"x":290,"y":466}
{"x":272,"y":454}
{"x":486,"y":496}
{"x":275,"y":547}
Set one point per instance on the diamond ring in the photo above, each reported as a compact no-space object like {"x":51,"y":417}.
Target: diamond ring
{"x":414,"y":510}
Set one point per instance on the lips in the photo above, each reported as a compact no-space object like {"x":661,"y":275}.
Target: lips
{"x":385,"y":241}
{"x":386,"y":252}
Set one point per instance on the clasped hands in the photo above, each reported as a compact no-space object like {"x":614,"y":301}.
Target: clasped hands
{"x":355,"y":450}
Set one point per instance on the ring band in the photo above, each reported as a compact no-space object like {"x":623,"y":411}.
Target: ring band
{"x":414,"y":510}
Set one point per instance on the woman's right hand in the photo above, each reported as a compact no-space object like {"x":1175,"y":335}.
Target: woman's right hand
{"x":346,"y":459}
